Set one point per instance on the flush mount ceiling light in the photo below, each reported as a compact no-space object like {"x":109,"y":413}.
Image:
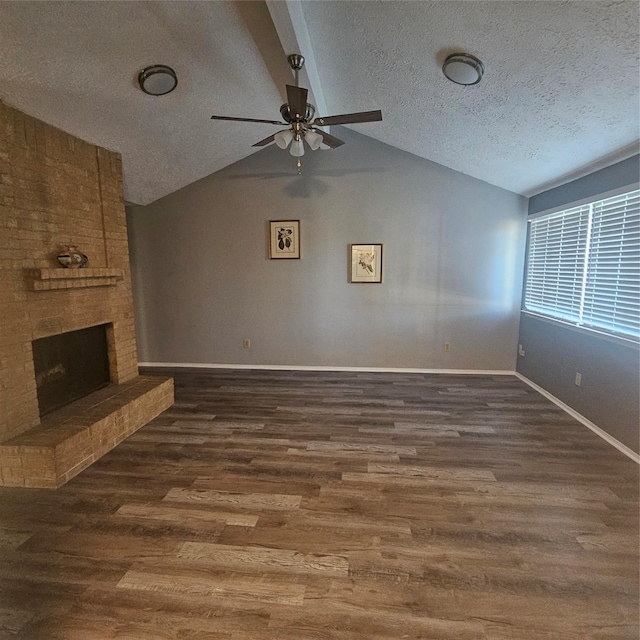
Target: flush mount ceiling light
{"x":157,"y":80}
{"x":463,"y":68}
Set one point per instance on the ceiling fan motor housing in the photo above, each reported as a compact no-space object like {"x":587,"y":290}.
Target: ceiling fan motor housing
{"x":287,"y":116}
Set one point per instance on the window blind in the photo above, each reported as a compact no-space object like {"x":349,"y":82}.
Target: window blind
{"x":555,"y":272}
{"x":612,"y":288}
{"x":583,"y":265}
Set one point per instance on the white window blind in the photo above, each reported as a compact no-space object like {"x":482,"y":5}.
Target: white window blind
{"x":557,"y":245}
{"x":612,"y":288}
{"x":583,"y":265}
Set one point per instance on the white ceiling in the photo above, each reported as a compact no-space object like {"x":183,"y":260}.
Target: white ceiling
{"x":559,"y":97}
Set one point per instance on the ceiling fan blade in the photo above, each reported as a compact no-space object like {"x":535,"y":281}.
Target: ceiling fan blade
{"x":278,"y":122}
{"x":265,"y":142}
{"x":330,"y":141}
{"x":350,"y":118}
{"x":297,"y":99}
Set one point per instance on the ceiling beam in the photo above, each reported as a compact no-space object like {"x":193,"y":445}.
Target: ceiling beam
{"x":288,"y":19}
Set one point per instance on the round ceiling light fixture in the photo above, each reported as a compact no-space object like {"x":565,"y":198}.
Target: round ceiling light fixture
{"x":158,"y":80}
{"x":463,"y":68}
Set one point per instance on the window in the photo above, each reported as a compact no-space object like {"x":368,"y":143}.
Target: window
{"x":583,"y":265}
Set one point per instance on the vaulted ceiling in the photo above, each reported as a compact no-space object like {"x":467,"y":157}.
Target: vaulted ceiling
{"x":559,"y":97}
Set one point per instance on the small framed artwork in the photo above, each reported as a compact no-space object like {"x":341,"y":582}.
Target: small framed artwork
{"x":284,"y":239}
{"x":366,"y":263}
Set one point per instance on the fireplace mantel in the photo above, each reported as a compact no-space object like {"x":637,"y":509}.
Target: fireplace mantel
{"x":48,"y":279}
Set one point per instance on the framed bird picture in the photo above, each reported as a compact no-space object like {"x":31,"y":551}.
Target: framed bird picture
{"x":366,"y":263}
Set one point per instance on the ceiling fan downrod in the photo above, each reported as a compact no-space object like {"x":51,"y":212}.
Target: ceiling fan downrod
{"x":296,"y":62}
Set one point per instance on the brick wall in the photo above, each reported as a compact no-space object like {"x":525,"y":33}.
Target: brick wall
{"x":56,"y":190}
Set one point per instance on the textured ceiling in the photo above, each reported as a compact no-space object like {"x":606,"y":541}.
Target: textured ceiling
{"x":559,"y":97}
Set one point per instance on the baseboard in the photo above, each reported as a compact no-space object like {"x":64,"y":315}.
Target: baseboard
{"x":630,"y":453}
{"x":292,"y":367}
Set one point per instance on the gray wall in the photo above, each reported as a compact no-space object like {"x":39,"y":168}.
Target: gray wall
{"x":609,"y":393}
{"x":617,"y":175}
{"x":452,"y":268}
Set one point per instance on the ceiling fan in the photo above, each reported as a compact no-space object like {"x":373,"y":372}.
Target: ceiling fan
{"x":298,"y":115}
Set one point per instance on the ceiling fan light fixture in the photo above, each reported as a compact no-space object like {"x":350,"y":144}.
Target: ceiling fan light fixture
{"x":157,"y":80}
{"x":313,"y":139}
{"x":283,"y":138}
{"x":297,"y":148}
{"x":463,"y":68}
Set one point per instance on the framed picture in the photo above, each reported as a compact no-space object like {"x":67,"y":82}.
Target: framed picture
{"x":366,"y":263}
{"x":284,"y":239}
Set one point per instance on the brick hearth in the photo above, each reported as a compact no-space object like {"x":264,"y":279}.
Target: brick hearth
{"x":70,"y":439}
{"x":57,"y":190}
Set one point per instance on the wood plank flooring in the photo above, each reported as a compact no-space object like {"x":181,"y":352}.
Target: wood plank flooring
{"x":333,"y":506}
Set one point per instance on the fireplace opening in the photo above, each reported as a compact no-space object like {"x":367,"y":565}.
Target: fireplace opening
{"x":69,"y":366}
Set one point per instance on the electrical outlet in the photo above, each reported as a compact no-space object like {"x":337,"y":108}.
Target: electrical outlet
{"x":246,"y":343}
{"x":447,"y":346}
{"x":521,"y":351}
{"x":578,"y":379}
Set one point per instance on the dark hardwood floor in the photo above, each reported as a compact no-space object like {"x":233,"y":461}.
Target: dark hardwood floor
{"x":333,"y":506}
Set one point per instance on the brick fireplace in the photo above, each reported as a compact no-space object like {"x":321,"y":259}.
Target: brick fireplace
{"x":57,"y":190}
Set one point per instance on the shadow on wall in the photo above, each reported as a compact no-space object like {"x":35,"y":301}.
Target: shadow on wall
{"x":305,"y":185}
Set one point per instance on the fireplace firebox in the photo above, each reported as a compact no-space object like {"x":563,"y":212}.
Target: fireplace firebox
{"x":69,"y":366}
